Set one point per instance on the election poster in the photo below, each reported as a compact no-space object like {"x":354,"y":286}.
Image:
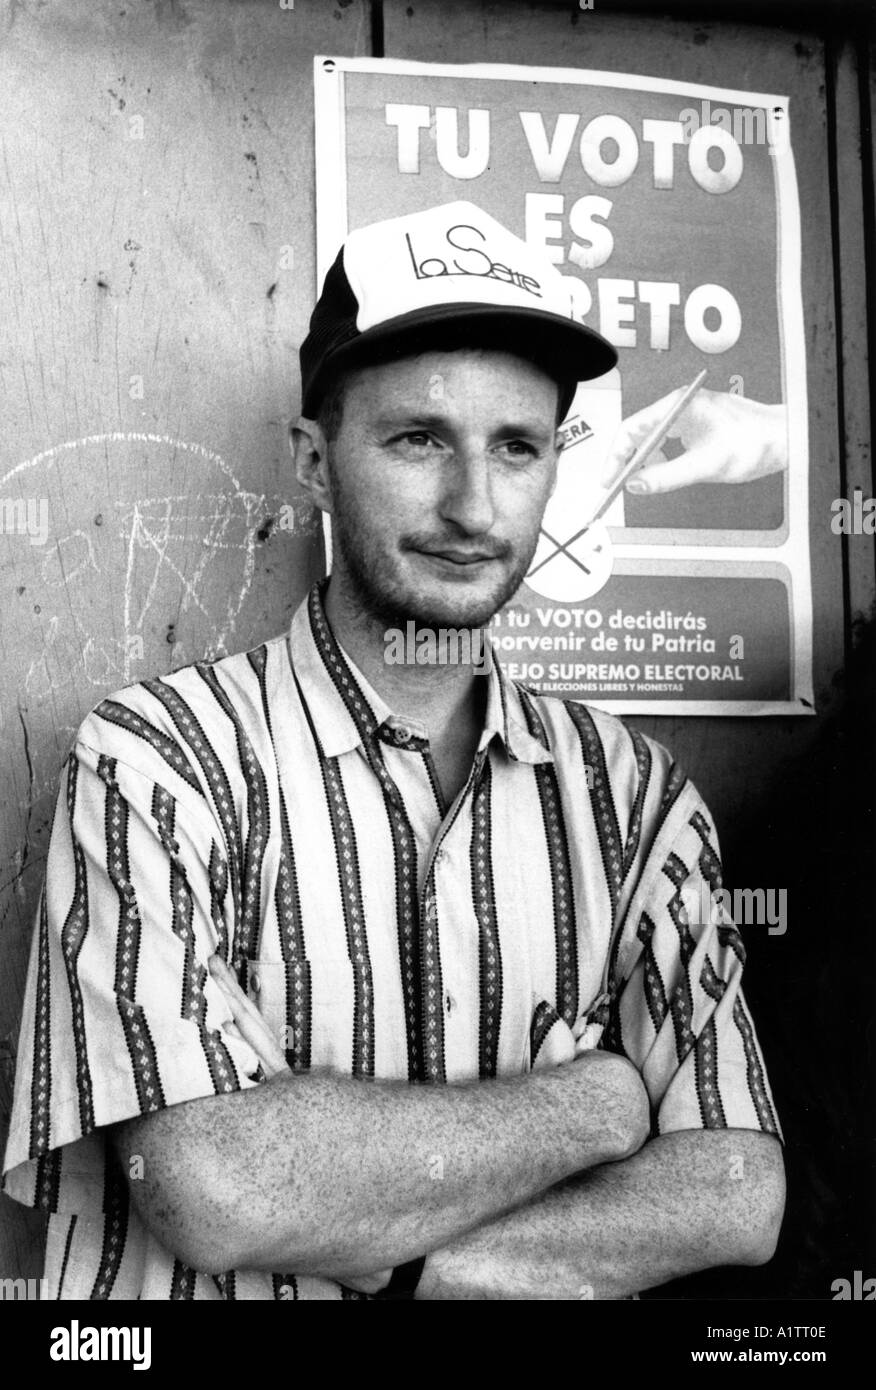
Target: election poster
{"x":678,"y":583}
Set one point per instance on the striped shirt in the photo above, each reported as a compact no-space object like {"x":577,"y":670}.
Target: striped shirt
{"x":271,"y":806}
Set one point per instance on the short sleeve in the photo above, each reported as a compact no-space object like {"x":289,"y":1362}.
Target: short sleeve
{"x":121,"y":1016}
{"x":678,"y":1011}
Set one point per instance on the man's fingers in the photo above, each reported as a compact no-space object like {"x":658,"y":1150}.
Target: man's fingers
{"x":254,"y":1032}
{"x":223,"y":976}
{"x":241,"y":1006}
{"x":247,"y":1023}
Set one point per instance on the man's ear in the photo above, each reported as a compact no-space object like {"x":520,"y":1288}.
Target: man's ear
{"x":309,"y":451}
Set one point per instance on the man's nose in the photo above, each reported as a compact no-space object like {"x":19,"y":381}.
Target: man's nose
{"x":468,"y":494}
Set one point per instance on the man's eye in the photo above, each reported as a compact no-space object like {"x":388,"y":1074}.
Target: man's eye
{"x":519,"y":449}
{"x":418,"y":438}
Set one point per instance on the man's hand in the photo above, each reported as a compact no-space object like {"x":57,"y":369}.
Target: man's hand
{"x":726,"y":439}
{"x":608,"y":1077}
{"x":248,"y":1022}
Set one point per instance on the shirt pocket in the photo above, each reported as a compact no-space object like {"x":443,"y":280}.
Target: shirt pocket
{"x":310,"y":1020}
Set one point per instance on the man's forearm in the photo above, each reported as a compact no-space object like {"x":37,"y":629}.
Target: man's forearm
{"x":685,"y":1202}
{"x":337,"y":1177}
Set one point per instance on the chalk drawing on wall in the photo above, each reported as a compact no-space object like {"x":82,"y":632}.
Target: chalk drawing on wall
{"x":154,"y":557}
{"x":194,"y":549}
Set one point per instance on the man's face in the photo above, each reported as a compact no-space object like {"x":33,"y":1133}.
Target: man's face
{"x":439,"y":477}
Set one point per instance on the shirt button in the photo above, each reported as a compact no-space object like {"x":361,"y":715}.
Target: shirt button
{"x":255,"y":982}
{"x":402,"y":735}
{"x":448,"y":1002}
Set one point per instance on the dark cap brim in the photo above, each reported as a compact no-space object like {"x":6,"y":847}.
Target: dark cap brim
{"x":567,"y":351}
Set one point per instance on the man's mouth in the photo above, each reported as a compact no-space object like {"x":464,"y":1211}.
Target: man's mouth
{"x":461,"y":558}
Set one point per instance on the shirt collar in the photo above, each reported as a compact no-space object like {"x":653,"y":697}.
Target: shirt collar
{"x":512,"y":719}
{"x":346,"y":710}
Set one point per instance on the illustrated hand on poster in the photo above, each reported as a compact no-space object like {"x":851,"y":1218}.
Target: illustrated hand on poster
{"x":726,"y":438}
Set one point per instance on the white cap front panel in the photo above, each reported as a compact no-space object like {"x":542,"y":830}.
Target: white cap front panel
{"x":446,"y":255}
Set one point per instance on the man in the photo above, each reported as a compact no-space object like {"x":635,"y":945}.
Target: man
{"x":327,"y":944}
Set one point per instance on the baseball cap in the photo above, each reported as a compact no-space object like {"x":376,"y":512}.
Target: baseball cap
{"x":447,"y":276}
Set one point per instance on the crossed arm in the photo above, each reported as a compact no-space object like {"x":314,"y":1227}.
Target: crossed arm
{"x":541,"y":1186}
{"x":685,"y":1202}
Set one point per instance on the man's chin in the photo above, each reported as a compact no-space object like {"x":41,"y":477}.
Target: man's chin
{"x":459,"y":606}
